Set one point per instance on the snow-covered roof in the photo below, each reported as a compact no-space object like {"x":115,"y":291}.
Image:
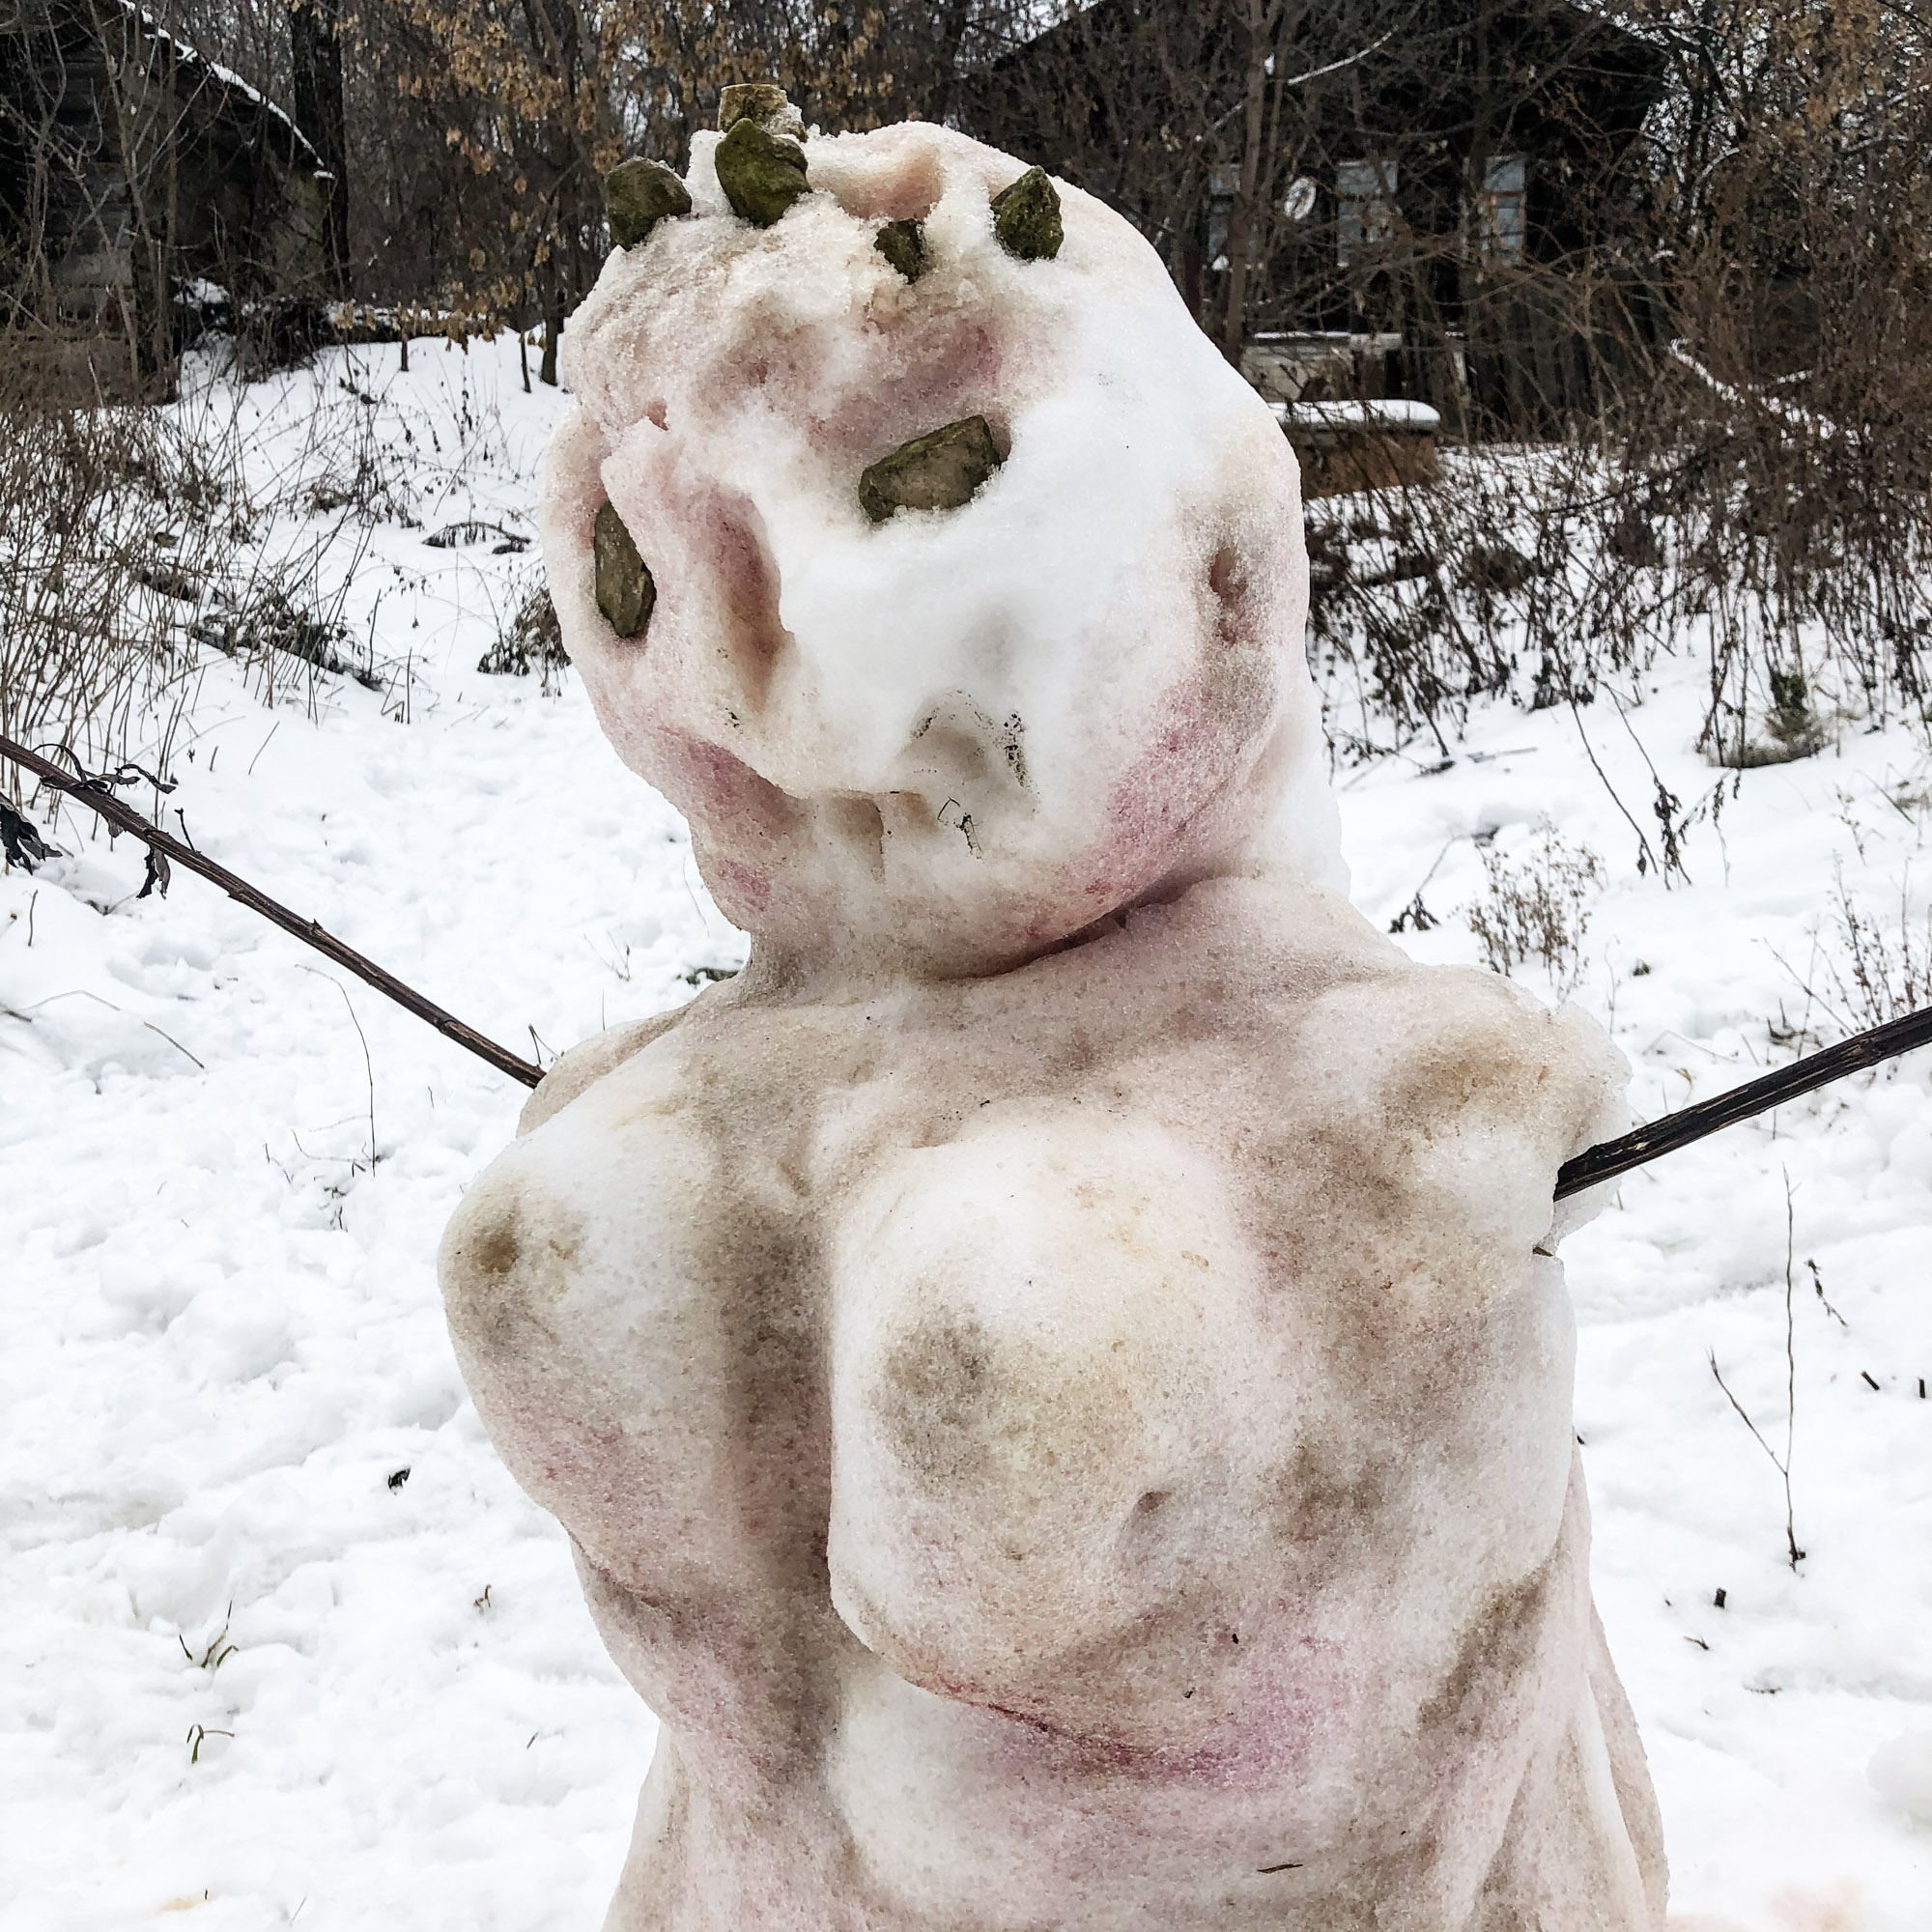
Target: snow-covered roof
{"x":1394,"y":412}
{"x":223,"y":77}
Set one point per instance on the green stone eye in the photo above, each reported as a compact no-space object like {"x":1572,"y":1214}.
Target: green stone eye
{"x":626,"y":593}
{"x":939,"y":471}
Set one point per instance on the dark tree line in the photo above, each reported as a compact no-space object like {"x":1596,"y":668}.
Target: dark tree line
{"x":1662,"y":168}
{"x":1683,"y":245}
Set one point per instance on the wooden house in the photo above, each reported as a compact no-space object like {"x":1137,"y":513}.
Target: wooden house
{"x":1436,"y":211}
{"x":138,"y":182}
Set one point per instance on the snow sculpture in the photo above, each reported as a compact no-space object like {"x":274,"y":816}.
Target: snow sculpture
{"x":1056,"y":1376}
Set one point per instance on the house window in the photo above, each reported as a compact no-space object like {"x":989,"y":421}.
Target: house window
{"x":1501,"y":209}
{"x":1224,"y":183}
{"x":1365,"y":210}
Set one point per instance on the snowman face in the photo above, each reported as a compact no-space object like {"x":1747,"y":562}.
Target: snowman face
{"x":946,"y":737}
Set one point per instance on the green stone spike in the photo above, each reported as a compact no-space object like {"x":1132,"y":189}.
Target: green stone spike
{"x":761,"y":174}
{"x":936,"y":471}
{"x":1026,"y":217}
{"x":904,"y":244}
{"x":638,"y":195}
{"x":759,"y":100}
{"x":625,"y":592}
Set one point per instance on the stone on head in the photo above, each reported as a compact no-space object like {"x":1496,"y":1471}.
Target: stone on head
{"x":904,"y":244}
{"x":762,"y":173}
{"x":1026,"y":217}
{"x":761,"y":101}
{"x":639,"y":195}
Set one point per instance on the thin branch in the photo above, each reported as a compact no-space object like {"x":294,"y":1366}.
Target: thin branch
{"x":1742,"y":1415}
{"x":1782,"y":1464}
{"x":93,"y":792}
{"x":1336,"y":67}
{"x":1863,"y":1050}
{"x":1589,"y":1169}
{"x":368,"y":1064}
{"x":1790,"y":1373}
{"x":1313,"y":74}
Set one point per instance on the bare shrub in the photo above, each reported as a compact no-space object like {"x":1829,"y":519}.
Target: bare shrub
{"x":530,"y":640}
{"x":114,"y":526}
{"x":1501,"y":580}
{"x":346,"y":462}
{"x":1537,"y":906}
{"x":1793,"y":728}
{"x":277,"y":612}
{"x":1871,"y":968}
{"x":1750,"y":480}
{"x":131,"y":546}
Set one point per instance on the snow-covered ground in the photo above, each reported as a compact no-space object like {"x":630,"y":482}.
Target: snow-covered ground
{"x":281,"y":1642}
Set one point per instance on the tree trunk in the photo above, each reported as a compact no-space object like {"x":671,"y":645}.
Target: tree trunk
{"x":938,"y":102}
{"x":315,"y":47}
{"x":549,"y":300}
{"x":1242,"y":222}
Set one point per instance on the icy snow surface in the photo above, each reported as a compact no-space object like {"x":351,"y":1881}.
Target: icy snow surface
{"x":248,"y":1677}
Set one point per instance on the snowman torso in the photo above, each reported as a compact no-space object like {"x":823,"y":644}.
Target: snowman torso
{"x":1072,"y":1441}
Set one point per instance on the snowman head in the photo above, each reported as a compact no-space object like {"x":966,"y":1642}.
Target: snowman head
{"x":946,"y":737}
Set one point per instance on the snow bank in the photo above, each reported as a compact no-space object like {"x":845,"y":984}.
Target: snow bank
{"x":1901,"y":1773}
{"x":1394,"y":412}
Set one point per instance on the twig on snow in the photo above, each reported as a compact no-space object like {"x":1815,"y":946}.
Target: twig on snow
{"x":1781,"y":1463}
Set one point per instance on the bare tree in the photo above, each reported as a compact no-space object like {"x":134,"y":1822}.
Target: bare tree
{"x":315,"y":59}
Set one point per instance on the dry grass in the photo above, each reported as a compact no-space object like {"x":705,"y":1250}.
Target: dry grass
{"x":530,"y":640}
{"x":1537,"y":906}
{"x":115,"y":523}
{"x":1872,"y":968}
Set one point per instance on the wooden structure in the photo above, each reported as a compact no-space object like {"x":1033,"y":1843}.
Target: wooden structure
{"x":139,"y":184}
{"x":1347,"y":447}
{"x":1432,"y":215}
